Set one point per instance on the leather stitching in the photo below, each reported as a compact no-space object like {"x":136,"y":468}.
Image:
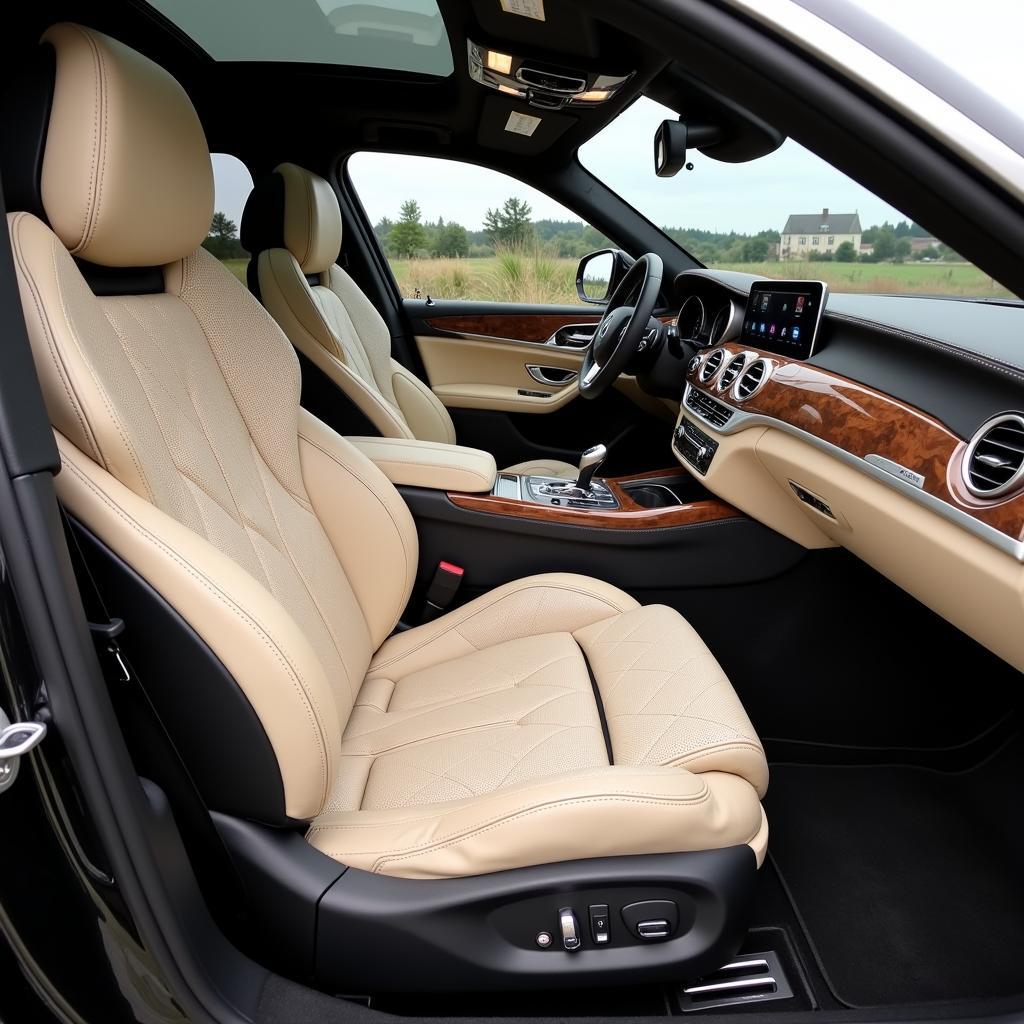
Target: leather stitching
{"x":313,"y":712}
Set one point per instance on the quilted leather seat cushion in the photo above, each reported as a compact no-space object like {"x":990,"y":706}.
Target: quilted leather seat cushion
{"x":480,"y":739}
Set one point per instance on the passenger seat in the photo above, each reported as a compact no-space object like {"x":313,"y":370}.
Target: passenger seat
{"x":292,"y":228}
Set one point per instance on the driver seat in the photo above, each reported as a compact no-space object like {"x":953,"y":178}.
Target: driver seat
{"x":291,"y":227}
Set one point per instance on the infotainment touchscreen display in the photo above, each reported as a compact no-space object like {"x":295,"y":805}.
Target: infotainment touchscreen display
{"x":783,"y":316}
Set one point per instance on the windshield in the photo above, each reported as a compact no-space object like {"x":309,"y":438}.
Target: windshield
{"x":786,"y":215}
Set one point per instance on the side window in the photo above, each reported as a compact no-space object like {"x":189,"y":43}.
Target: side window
{"x":232,"y":184}
{"x":453,"y":230}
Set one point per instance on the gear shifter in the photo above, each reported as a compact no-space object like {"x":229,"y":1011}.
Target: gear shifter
{"x":590,"y":461}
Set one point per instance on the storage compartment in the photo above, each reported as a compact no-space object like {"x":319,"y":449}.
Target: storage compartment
{"x":665,"y":490}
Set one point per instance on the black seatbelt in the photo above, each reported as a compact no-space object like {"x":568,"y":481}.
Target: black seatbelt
{"x":145,"y":731}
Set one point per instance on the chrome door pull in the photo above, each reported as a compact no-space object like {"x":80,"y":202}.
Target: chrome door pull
{"x":552,"y":376}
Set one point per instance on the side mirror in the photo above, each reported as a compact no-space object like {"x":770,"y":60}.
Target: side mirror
{"x":599,"y":273}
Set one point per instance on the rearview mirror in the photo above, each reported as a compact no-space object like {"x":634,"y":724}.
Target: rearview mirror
{"x":599,"y":272}
{"x":671,"y":140}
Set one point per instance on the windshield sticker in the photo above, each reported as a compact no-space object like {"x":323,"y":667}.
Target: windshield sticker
{"x":522,"y":124}
{"x":526,"y":8}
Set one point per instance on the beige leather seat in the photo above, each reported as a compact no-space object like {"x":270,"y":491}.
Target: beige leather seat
{"x":292,"y":226}
{"x":551,"y":719}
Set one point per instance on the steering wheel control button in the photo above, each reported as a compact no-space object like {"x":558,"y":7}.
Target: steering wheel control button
{"x":652,"y":920}
{"x":600,"y":930}
{"x":543,"y":940}
{"x":570,"y":929}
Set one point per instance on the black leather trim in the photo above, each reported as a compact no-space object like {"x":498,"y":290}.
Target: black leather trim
{"x":122,"y":280}
{"x":210,"y":720}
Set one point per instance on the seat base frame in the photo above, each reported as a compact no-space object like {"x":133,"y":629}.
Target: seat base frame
{"x":365,"y":933}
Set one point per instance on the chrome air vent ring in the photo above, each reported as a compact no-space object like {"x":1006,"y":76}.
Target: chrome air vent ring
{"x":711,"y":365}
{"x":733,"y":369}
{"x":753,"y":378}
{"x":993,"y":464}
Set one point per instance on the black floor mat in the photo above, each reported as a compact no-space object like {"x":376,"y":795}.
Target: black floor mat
{"x":909,"y":882}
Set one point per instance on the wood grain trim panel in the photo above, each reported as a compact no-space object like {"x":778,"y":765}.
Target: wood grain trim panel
{"x":531,"y":327}
{"x":629,"y":515}
{"x":864,"y":421}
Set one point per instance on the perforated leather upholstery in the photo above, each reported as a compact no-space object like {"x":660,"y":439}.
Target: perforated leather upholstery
{"x":471,"y":744}
{"x":293,"y":226}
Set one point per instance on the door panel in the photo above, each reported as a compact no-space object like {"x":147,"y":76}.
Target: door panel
{"x":480,"y":357}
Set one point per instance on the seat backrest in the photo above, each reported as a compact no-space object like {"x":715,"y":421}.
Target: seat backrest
{"x":176,"y":410}
{"x":292,"y":227}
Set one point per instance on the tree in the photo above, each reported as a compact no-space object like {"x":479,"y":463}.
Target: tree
{"x":511,"y":224}
{"x":222,"y":239}
{"x":885,"y":243}
{"x":846,"y":252}
{"x":755,"y":250}
{"x":408,"y":236}
{"x":901,"y":250}
{"x":451,"y":240}
{"x":382,"y":229}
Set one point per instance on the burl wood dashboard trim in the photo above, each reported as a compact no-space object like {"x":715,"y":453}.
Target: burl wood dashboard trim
{"x":531,"y":327}
{"x":629,"y":515}
{"x":863,"y":421}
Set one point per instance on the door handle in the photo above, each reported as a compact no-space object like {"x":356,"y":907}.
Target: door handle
{"x":552,"y":376}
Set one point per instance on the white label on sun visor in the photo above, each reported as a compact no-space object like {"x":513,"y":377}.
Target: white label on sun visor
{"x":527,"y":8}
{"x":522,"y":124}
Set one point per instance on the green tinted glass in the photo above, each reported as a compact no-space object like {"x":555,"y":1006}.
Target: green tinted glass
{"x":398,"y":35}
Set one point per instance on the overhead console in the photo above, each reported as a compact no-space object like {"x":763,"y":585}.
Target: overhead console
{"x":541,"y":84}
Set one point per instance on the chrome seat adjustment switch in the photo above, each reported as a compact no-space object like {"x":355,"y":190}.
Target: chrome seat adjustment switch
{"x":569,"y":928}
{"x":658,"y":929}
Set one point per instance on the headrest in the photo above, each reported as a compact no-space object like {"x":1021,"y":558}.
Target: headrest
{"x":126,"y":176}
{"x":296,"y":210}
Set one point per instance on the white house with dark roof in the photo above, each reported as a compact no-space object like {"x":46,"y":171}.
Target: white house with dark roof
{"x":823,"y":231}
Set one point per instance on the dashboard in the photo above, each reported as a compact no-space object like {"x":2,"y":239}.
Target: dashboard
{"x":923,"y":478}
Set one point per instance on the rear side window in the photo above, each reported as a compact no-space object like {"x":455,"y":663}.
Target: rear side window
{"x":453,"y":230}
{"x":232,"y":184}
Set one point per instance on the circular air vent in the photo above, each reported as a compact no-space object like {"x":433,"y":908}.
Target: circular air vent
{"x":753,"y":378}
{"x":711,"y":366}
{"x":732,"y":371}
{"x":994,"y":461}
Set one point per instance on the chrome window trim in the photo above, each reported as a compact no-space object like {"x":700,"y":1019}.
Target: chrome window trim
{"x":894,"y":87}
{"x":742,"y":420}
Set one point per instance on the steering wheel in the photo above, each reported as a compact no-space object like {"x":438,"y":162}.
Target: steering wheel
{"x":618,"y":335}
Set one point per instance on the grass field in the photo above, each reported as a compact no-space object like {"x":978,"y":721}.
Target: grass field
{"x":513,"y":277}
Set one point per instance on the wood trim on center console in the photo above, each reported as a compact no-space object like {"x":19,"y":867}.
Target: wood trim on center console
{"x":863,"y":422}
{"x":628,"y":516}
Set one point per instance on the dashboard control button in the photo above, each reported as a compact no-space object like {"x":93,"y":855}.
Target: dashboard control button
{"x":543,"y":940}
{"x":600,"y":930}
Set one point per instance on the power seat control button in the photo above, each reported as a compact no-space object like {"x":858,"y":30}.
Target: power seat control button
{"x":653,"y":929}
{"x":651,"y":920}
{"x":570,"y":929}
{"x":599,"y":925}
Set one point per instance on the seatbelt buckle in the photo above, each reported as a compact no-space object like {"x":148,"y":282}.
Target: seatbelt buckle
{"x":442,"y":590}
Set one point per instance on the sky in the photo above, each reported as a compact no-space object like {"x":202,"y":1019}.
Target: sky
{"x":980,"y":40}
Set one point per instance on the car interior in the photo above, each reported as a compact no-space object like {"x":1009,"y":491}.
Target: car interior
{"x":504,"y":659}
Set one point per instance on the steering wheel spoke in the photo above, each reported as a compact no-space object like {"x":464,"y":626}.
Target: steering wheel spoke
{"x":624,"y":327}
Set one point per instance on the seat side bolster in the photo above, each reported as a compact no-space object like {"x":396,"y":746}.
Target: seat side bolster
{"x":344,"y":486}
{"x":428,"y":419}
{"x":600,"y":812}
{"x":666,"y":699}
{"x":289,"y":299}
{"x":549,"y":603}
{"x":257,"y":641}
